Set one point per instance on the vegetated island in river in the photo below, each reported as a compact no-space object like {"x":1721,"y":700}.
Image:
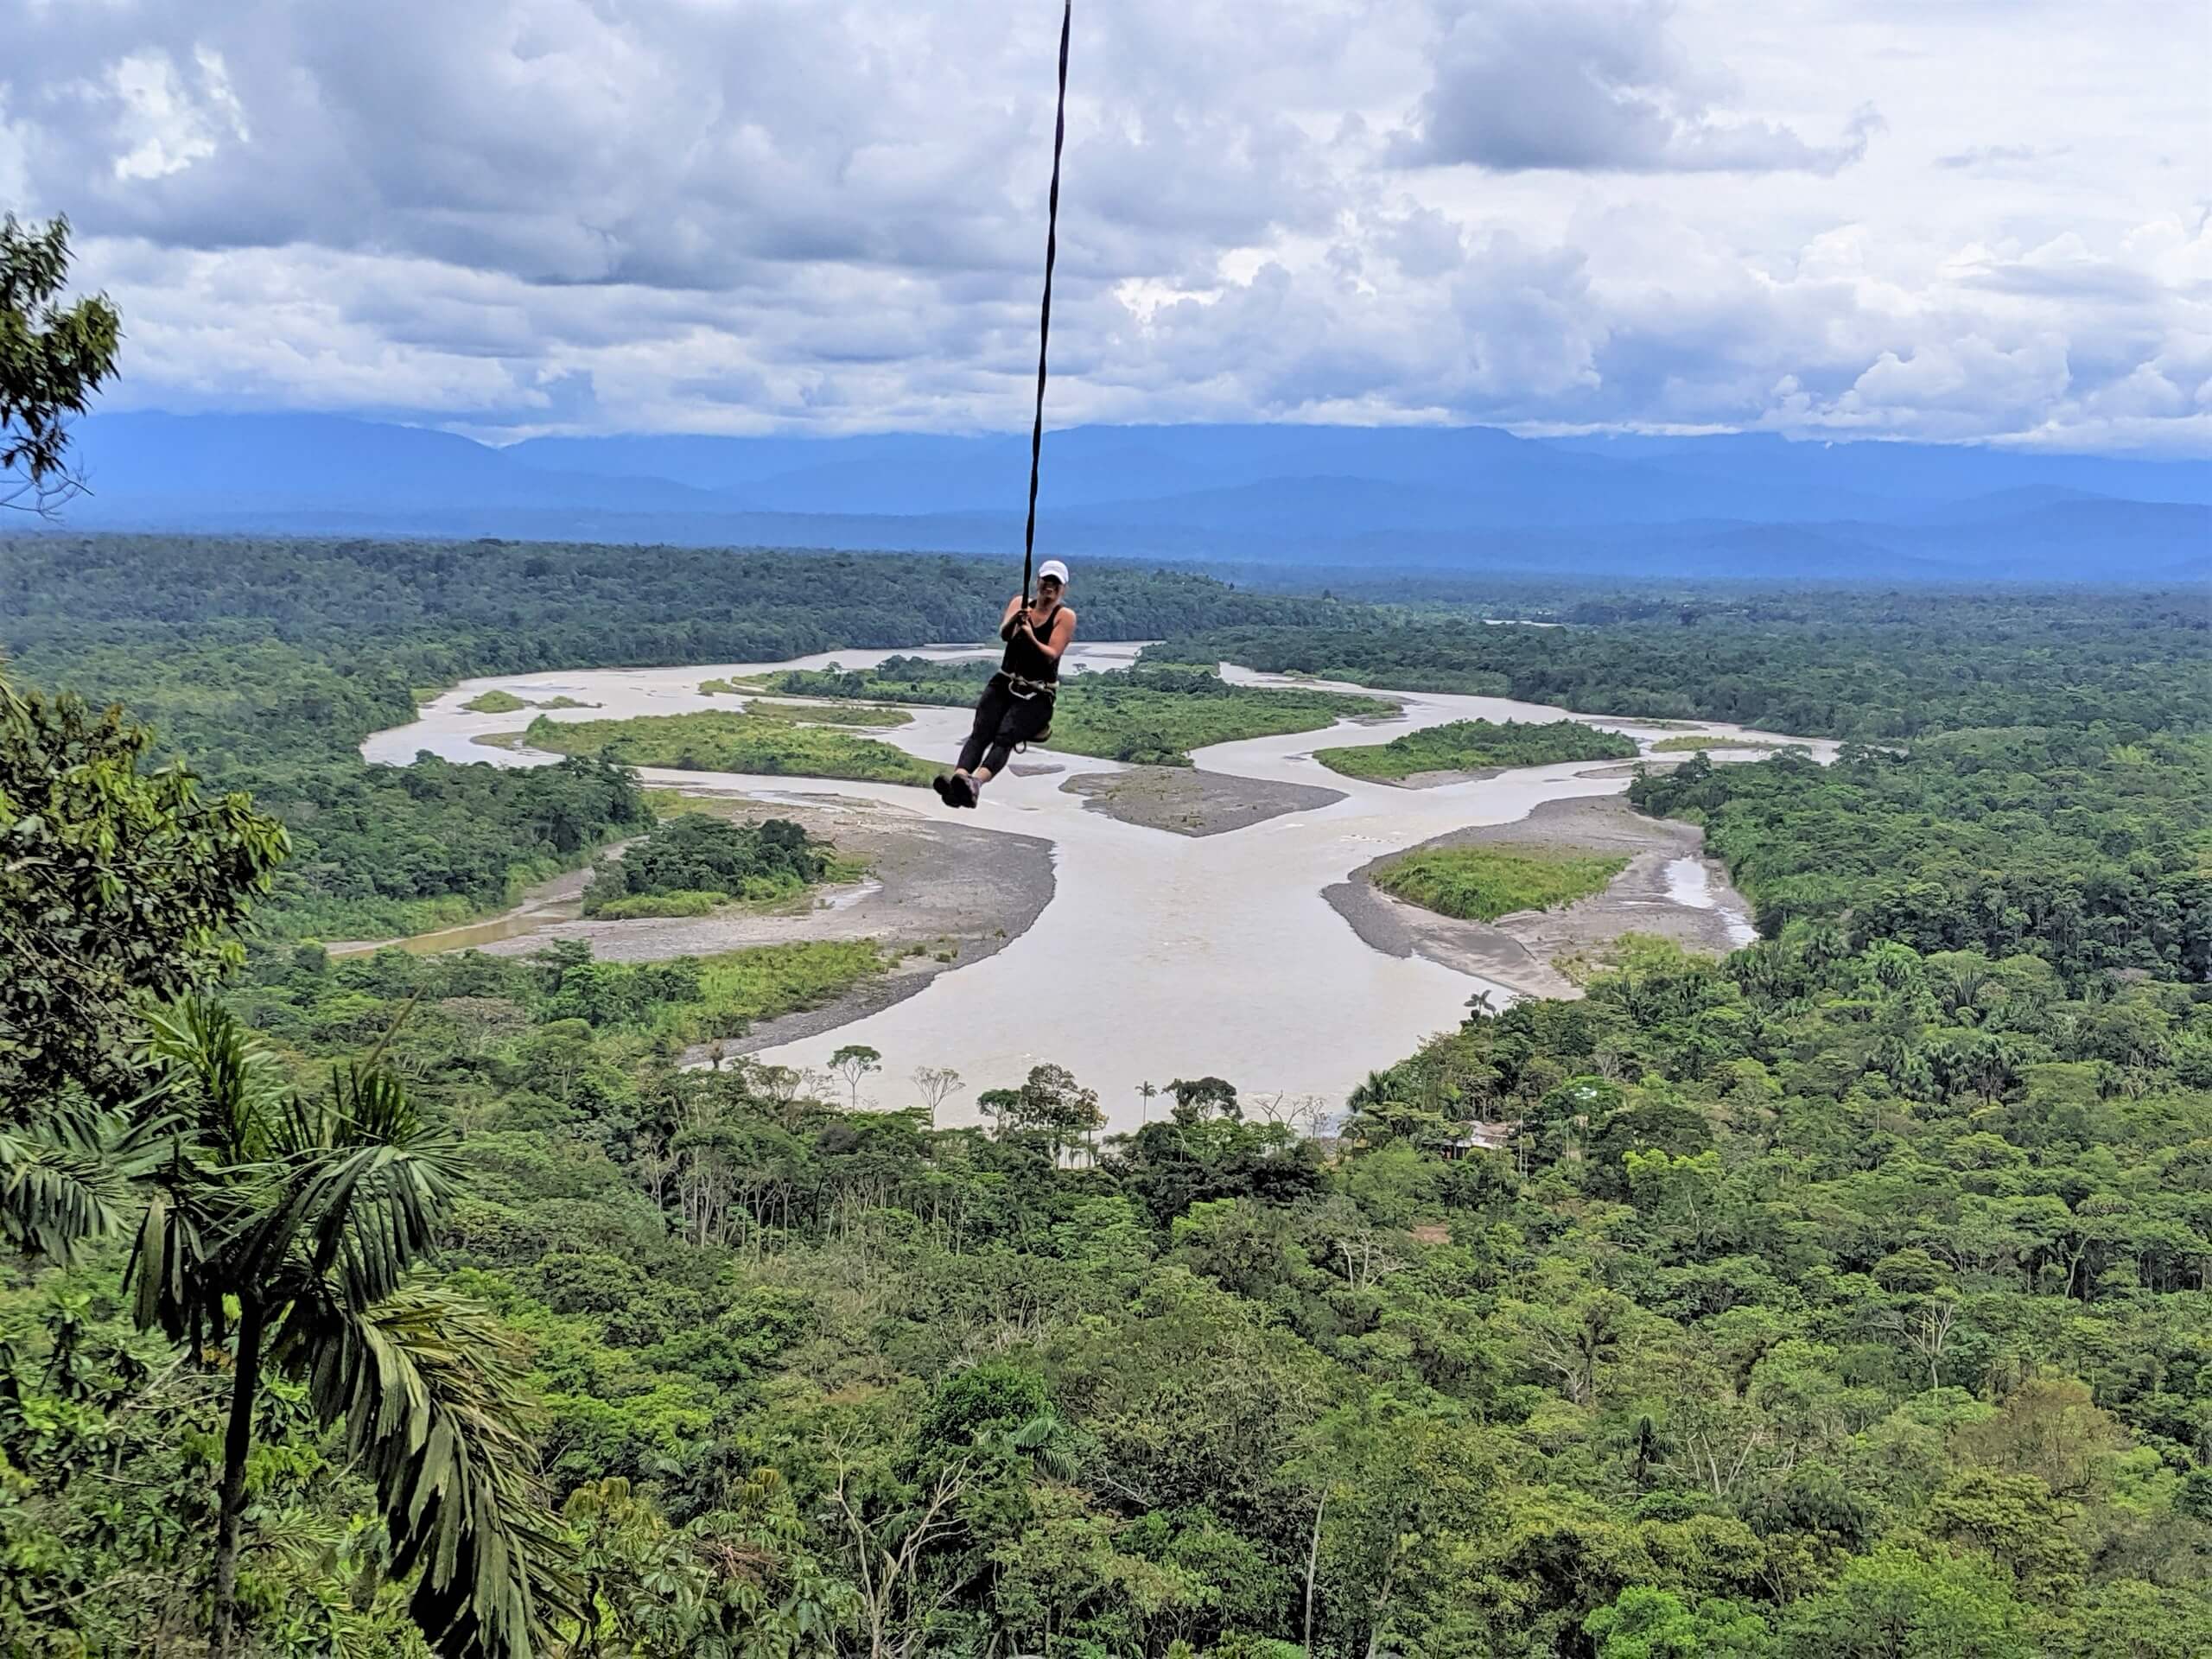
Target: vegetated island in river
{"x":1143,"y":716}
{"x":694,"y":863}
{"x":874,"y":715}
{"x":499,"y":702}
{"x":1484,"y":883}
{"x":1700,"y":742}
{"x":713,"y":741}
{"x":1524,"y":949}
{"x":1461,"y":748}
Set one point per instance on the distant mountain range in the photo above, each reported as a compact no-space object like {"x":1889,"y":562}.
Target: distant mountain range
{"x":1389,"y":497}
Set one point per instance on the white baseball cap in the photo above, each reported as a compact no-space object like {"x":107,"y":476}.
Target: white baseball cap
{"x":1053,"y":567}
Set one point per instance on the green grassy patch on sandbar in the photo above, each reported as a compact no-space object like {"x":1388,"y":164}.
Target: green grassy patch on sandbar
{"x":1474,"y":744}
{"x":731,"y":742}
{"x":829,"y":714}
{"x":1148,"y":716}
{"x":494,"y":702}
{"x":1684,"y":745}
{"x":745,"y":985}
{"x":681,"y":901}
{"x":736,"y":685}
{"x":896,"y":679}
{"x":1484,"y":883}
{"x":1156,"y":717}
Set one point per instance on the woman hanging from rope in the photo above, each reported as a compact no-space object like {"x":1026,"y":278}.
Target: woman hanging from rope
{"x":1017,"y":705}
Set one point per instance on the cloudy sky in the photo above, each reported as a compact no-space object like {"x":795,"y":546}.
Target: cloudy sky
{"x":1936,"y":219}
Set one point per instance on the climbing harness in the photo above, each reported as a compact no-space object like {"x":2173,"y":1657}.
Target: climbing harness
{"x":1045,"y":312}
{"x":1021,"y":686}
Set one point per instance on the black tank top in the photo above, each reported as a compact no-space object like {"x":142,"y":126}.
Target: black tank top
{"x":1028,"y":658}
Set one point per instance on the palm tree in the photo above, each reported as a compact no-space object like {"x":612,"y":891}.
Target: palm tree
{"x":308,"y":1215}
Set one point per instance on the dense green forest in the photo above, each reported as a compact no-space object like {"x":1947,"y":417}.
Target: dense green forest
{"x":1867,"y":665}
{"x":1844,"y":1299}
{"x":2090,"y":847}
{"x":466,"y":608}
{"x":1476,"y":745}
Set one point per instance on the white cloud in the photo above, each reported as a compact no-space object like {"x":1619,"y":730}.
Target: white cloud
{"x":556,"y":214}
{"x":1596,"y":85}
{"x":172,"y":122}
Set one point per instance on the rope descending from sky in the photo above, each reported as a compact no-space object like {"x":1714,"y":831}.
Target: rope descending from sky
{"x":1044,"y":316}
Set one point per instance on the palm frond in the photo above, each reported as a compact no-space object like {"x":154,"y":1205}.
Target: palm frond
{"x":202,"y":1042}
{"x":168,"y":1276}
{"x":68,"y":1176}
{"x":363,"y":1186}
{"x":423,"y":1383}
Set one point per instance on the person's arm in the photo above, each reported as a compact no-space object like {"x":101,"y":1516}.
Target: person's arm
{"x":1063,"y":634}
{"x":1014,"y":608}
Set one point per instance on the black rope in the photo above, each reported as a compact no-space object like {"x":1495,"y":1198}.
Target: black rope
{"x":1045,"y":316}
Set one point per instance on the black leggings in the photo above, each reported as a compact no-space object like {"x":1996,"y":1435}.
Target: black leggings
{"x":1004,"y":720}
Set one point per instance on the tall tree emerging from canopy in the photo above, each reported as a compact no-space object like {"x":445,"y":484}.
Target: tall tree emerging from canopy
{"x":53,"y":358}
{"x":292,"y":1226}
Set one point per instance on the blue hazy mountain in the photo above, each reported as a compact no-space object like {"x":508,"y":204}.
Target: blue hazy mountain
{"x":1467,"y":498}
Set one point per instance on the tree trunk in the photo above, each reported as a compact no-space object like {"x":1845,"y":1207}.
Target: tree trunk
{"x":238,"y":1443}
{"x":1382,"y":1609}
{"x":1313,"y":1560}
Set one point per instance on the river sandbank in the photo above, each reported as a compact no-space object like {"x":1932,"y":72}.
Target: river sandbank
{"x":549,"y":901}
{"x":937,"y":895}
{"x":1521,"y":950}
{"x":1185,"y":801}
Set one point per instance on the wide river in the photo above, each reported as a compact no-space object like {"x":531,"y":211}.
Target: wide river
{"x":1161,"y":956}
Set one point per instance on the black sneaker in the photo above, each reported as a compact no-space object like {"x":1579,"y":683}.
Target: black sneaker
{"x":943,"y":784}
{"x":961,"y":792}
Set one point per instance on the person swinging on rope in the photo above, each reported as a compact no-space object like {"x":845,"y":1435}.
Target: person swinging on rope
{"x":1017,"y":705}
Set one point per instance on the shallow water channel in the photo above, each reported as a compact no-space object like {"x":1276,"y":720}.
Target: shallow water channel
{"x":1159,"y":956}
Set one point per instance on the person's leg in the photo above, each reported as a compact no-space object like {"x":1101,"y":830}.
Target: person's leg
{"x":991,"y":714}
{"x":958,"y":790}
{"x":1025,"y":718}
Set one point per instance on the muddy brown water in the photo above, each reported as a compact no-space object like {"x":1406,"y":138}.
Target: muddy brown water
{"x":1159,"y":956}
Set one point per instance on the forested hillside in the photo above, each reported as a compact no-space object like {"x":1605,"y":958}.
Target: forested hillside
{"x":1844,"y":1299}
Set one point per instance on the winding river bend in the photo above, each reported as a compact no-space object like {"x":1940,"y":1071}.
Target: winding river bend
{"x":1159,"y":956}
